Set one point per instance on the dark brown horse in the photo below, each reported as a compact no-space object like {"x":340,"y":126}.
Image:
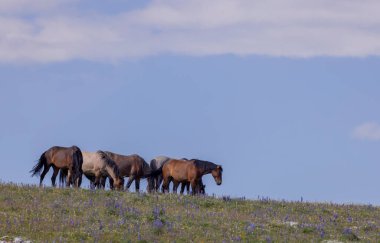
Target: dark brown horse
{"x":69,"y":159}
{"x":132,"y":166}
{"x":189,"y":171}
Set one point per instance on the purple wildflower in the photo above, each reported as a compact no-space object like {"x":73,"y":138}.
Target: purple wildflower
{"x":322,"y":233}
{"x":158,"y":224}
{"x":347,"y":231}
{"x":250,"y":228}
{"x":237,"y":238}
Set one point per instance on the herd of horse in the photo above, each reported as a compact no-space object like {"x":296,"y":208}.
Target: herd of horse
{"x":71,"y":163}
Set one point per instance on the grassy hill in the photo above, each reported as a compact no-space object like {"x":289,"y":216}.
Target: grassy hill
{"x":68,"y":215}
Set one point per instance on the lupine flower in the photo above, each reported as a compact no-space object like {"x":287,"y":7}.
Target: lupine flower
{"x":158,"y":224}
{"x":250,"y":228}
{"x":335,"y":216}
{"x":347,"y":231}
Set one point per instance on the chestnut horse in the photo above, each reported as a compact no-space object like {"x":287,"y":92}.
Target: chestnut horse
{"x":69,"y":158}
{"x":156,"y":165}
{"x":132,"y":166}
{"x":190,"y":171}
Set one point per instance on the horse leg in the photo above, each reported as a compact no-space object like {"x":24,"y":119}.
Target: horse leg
{"x":150,"y":184}
{"x":158,"y":182}
{"x":154,"y":184}
{"x":137,"y":185}
{"x":188,"y":188}
{"x":53,"y":178}
{"x":46,"y":169}
{"x":103,"y":181}
{"x":165,"y":185}
{"x":175,"y":186}
{"x":79,"y":179}
{"x":68,"y":178}
{"x":193,"y":187}
{"x":183,"y":187}
{"x":97,"y":181}
{"x":130,"y":180}
{"x":111,"y":183}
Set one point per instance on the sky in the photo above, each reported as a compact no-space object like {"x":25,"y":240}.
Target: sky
{"x":284,"y":95}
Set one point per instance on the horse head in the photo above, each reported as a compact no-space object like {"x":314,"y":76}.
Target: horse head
{"x":119,"y":184}
{"x":217,"y":174}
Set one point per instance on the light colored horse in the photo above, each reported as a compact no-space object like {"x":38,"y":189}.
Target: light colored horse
{"x":98,"y":165}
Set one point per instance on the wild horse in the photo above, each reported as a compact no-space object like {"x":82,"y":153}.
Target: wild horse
{"x":189,"y":171}
{"x":156,"y":164}
{"x":96,"y":167}
{"x":68,"y":158}
{"x":132,"y":166}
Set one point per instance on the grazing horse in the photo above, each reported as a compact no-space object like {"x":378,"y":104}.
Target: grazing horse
{"x":156,"y":165}
{"x":69,"y":159}
{"x":189,"y":171}
{"x":97,"y":166}
{"x":132,"y":166}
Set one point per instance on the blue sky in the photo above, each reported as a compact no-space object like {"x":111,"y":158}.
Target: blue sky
{"x":286,"y":121}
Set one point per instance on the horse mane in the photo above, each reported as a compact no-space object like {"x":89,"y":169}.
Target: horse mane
{"x":109,"y":162}
{"x":205,"y":165}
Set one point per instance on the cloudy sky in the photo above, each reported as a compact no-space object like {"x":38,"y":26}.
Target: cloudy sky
{"x":283,"y":94}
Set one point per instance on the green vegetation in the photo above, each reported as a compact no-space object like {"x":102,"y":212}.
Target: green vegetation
{"x":69,"y":215}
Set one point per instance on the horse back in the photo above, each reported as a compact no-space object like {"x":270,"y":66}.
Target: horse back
{"x":158,"y":162}
{"x":62,"y":157}
{"x":128,"y":164}
{"x":180,"y":170}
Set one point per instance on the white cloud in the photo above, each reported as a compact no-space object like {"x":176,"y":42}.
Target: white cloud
{"x":368,"y":131}
{"x":291,"y":28}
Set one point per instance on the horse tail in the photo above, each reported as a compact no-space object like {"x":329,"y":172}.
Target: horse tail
{"x":77,"y":161}
{"x":78,"y":158}
{"x":38,"y":167}
{"x":154,"y":173}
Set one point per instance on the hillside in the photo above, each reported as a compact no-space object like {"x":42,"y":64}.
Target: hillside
{"x":69,"y":215}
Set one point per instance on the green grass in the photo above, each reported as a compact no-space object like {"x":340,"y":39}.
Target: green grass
{"x":69,"y":215}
